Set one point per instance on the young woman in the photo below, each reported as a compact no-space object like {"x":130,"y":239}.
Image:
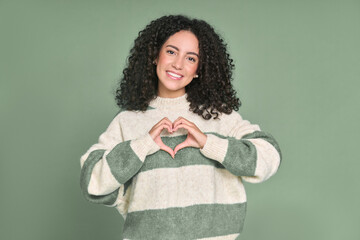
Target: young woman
{"x":173,"y":159}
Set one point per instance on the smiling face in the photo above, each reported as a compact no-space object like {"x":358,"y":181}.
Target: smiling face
{"x":177,"y":64}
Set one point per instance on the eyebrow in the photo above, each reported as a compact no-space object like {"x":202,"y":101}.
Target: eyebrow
{"x":178,"y":50}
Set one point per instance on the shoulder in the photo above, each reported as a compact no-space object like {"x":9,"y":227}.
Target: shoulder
{"x":124,"y":114}
{"x":234,"y":122}
{"x":234,"y":116}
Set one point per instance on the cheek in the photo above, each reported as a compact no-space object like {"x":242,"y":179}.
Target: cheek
{"x":162,"y":60}
{"x":192,"y":69}
{"x":159,"y":66}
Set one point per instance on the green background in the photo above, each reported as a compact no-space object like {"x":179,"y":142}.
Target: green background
{"x":297,"y":75}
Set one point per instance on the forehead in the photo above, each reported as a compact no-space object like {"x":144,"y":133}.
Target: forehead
{"x":184,"y":40}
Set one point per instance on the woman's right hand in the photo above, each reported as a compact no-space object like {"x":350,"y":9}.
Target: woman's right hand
{"x":155,"y":134}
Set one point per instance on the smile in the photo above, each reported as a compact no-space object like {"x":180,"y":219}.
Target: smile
{"x":174,"y":75}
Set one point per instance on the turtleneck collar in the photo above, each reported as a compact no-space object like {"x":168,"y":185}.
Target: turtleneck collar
{"x":163,"y":102}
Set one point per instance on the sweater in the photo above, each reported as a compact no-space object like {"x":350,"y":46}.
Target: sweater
{"x":198,"y":194}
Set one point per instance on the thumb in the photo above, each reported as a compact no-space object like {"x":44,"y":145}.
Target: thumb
{"x":168,"y":149}
{"x":181,"y":146}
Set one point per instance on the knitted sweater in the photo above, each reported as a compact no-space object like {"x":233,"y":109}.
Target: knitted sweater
{"x":197,"y":195}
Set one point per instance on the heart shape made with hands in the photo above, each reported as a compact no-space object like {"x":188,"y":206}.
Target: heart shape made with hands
{"x":181,"y":145}
{"x":194,"y":138}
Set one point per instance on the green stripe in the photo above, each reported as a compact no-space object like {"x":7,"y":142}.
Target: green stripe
{"x":267,"y":137}
{"x":198,"y":221}
{"x":123,"y":162}
{"x":85,"y":176}
{"x":184,"y":157}
{"x":240,"y":158}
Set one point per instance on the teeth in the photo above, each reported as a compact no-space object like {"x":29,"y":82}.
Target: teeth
{"x":174,"y":75}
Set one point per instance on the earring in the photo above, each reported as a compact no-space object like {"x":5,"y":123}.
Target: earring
{"x":154,"y":62}
{"x":196,"y":76}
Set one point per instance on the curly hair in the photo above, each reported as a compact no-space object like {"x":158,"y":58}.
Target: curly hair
{"x":210,"y":94}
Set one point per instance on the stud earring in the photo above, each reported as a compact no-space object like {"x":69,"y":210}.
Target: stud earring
{"x":196,"y":76}
{"x":154,"y":62}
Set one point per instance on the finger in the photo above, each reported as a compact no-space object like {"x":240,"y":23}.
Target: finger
{"x":195,"y":138}
{"x":156,"y":130}
{"x":165,"y":125}
{"x":157,"y":138}
{"x":168,"y":123}
{"x":177,"y":121}
{"x":165,"y":120}
{"x":182,"y":125}
{"x":182,"y":120}
{"x":168,"y":149}
{"x":181,"y":146}
{"x":163,"y":146}
{"x":169,"y":129}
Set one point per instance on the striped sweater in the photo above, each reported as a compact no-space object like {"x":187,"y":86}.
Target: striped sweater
{"x":197,"y":195}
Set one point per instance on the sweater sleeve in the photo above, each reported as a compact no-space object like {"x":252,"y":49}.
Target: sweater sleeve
{"x":108,"y":166}
{"x":246,"y":151}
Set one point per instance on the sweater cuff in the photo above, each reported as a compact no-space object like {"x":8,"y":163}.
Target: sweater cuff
{"x":144,"y":146}
{"x":215,"y":148}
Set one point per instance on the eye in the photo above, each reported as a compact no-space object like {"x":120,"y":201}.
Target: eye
{"x":170,"y":51}
{"x":192,"y":59}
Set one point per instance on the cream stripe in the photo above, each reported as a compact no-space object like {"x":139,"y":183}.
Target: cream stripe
{"x":267,"y":163}
{"x":225,"y":237}
{"x":122,"y":201}
{"x":243,"y":128}
{"x":195,"y":184}
{"x":143,"y":146}
{"x":215,"y":148}
{"x":102,"y":181}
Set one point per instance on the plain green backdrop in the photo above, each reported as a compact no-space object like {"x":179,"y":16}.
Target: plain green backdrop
{"x":297,"y":75}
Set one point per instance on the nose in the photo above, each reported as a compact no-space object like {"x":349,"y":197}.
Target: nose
{"x":178,"y":63}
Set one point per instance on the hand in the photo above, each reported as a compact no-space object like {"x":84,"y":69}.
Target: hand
{"x":195,"y":137}
{"x":155,"y":134}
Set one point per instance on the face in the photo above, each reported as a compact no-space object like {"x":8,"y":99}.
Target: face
{"x":177,"y":64}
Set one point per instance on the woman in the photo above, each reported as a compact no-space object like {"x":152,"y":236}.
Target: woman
{"x":173,"y":159}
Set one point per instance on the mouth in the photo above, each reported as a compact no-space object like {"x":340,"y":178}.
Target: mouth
{"x":173,"y":75}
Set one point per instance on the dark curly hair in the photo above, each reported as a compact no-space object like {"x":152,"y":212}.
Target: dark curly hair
{"x":211,"y":93}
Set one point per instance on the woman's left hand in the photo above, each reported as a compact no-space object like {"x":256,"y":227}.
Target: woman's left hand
{"x":195,"y":137}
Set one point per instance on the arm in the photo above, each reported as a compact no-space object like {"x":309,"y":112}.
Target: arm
{"x":246,"y":151}
{"x":109,"y":164}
